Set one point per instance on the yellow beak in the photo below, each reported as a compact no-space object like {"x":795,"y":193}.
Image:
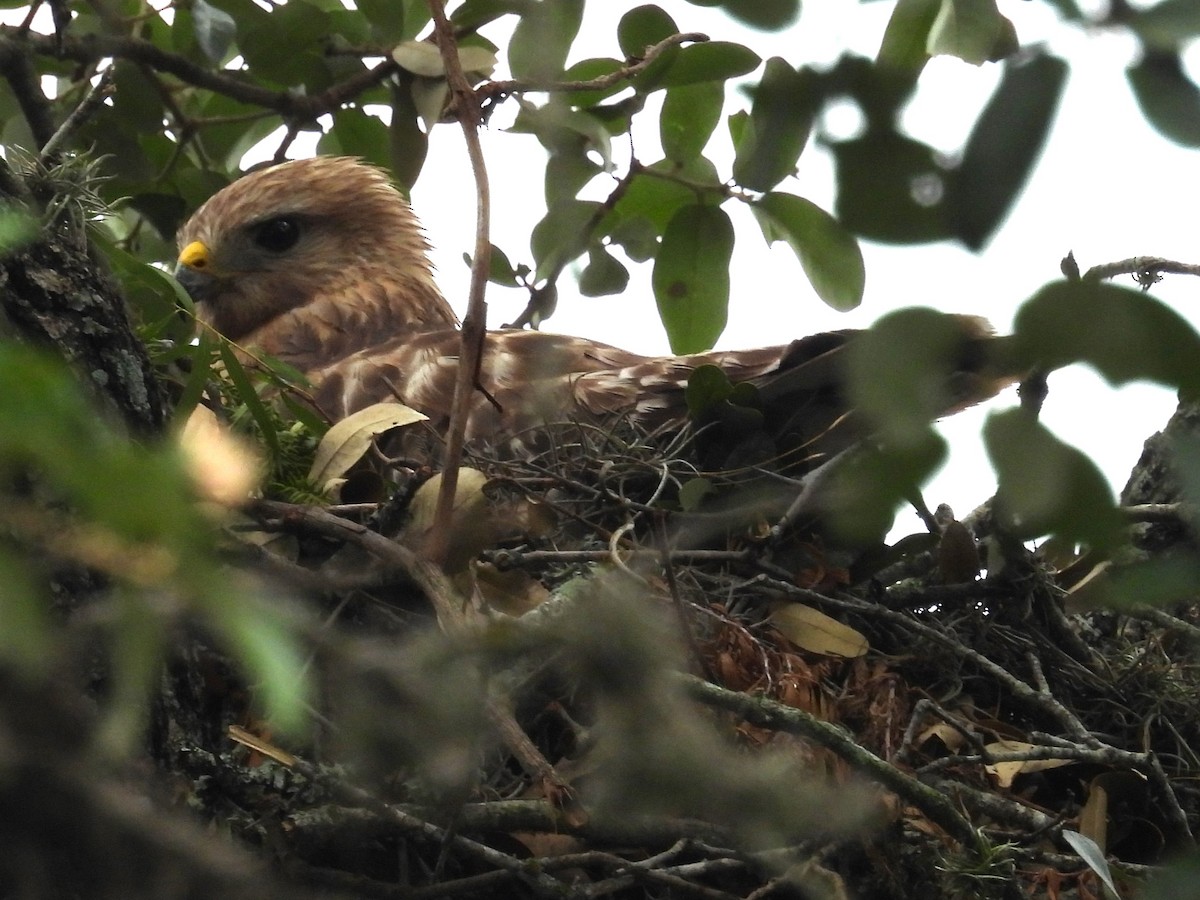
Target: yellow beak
{"x":195,"y":256}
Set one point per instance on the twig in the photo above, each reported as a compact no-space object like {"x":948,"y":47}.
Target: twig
{"x":289,"y":104}
{"x":447,"y":602}
{"x":79,"y":115}
{"x":1146,"y":270}
{"x":467,"y":109}
{"x":767,"y":713}
{"x":542,"y":885}
{"x":499,"y":89}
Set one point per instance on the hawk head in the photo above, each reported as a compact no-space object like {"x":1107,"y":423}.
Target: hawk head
{"x":329,"y":236}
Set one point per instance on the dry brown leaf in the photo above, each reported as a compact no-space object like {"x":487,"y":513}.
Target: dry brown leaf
{"x":512,"y":593}
{"x":473,"y":525}
{"x":812,"y":630}
{"x":951,"y":737}
{"x":346,"y":442}
{"x":1005,"y":772}
{"x":957,"y":556}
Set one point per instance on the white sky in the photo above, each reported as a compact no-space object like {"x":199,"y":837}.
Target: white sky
{"x":1107,"y":187}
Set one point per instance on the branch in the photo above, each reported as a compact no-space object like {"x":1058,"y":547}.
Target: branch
{"x":768,"y":713}
{"x":92,"y":48}
{"x":1146,"y":270}
{"x":474,"y":327}
{"x":499,"y":89}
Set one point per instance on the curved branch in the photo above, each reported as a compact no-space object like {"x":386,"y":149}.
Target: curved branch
{"x":94,"y":47}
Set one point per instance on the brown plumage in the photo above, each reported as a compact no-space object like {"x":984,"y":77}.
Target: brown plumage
{"x":321,"y":263}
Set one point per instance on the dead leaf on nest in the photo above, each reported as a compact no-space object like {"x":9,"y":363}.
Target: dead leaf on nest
{"x":512,"y":593}
{"x":812,"y":630}
{"x":348,"y":441}
{"x":473,"y":524}
{"x":1005,"y":772}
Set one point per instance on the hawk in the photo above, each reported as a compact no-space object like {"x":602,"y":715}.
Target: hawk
{"x":322,"y":264}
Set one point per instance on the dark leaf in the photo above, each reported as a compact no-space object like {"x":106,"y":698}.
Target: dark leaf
{"x":357,"y":133}
{"x":1048,"y":487}
{"x":408,"y":143}
{"x":904,"y":50}
{"x":691,"y":277}
{"x":689,"y":115}
{"x":972,"y":30}
{"x":711,"y":61}
{"x":891,"y":189}
{"x":603,"y":275}
{"x":589,"y":70}
{"x":768,"y":15}
{"x":1169,"y":100}
{"x":900,"y":371}
{"x":568,"y":170}
{"x":829,"y":254}
{"x":214,"y":29}
{"x":562,"y":234}
{"x":1167,"y":25}
{"x":1125,"y":334}
{"x":642,"y":27}
{"x":543,"y":38}
{"x":872,"y":481}
{"x":770,"y":142}
{"x":1004,"y":146}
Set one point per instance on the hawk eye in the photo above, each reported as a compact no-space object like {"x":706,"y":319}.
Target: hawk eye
{"x":278,"y":234}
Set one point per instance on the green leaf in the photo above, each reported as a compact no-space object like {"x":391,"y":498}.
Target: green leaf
{"x":568,"y":169}
{"x":161,"y":304}
{"x":767,"y":15}
{"x":904,"y":47}
{"x":636,"y":236}
{"x":267,"y":649}
{"x":707,"y":386}
{"x":870,"y":483}
{"x":901,"y":370}
{"x":249,"y":396}
{"x":589,"y":70}
{"x":642,"y":27}
{"x":500,"y":268}
{"x":1168,"y":99}
{"x":770,"y":142}
{"x":386,"y":18}
{"x":287,"y":48}
{"x":1125,"y":334}
{"x":829,"y":254}
{"x":603,"y":275}
{"x":1167,"y":25}
{"x":691,"y":277}
{"x":689,"y":115}
{"x":562,"y":235}
{"x":408,"y":143}
{"x":136,"y":100}
{"x":891,"y":189}
{"x":658,"y":199}
{"x":558,"y":127}
{"x":214,"y":29}
{"x":710,"y":61}
{"x":474,"y":13}
{"x":1047,"y":486}
{"x":1004,"y":145}
{"x":357,"y":133}
{"x":543,"y":38}
{"x":972,"y":30}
